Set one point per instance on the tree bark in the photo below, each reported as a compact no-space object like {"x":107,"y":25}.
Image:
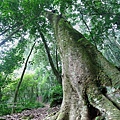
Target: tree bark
{"x":85,"y":74}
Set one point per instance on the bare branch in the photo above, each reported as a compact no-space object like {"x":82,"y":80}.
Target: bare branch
{"x":88,"y":29}
{"x":5,"y":31}
{"x":15,"y":31}
{"x":9,"y":27}
{"x":10,"y":35}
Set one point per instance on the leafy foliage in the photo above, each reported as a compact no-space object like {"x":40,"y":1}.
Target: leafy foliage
{"x":56,"y":95}
{"x":99,"y":20}
{"x":13,"y":58}
{"x":99,"y":23}
{"x":4,"y":109}
{"x":27,"y":95}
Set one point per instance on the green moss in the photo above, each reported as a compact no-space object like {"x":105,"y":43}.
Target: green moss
{"x":65,"y":27}
{"x":81,"y":39}
{"x":64,"y":23}
{"x":100,"y":118}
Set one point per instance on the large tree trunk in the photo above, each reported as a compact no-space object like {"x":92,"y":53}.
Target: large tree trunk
{"x":85,"y":74}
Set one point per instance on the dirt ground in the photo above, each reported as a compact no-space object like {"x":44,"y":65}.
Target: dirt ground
{"x":34,"y":114}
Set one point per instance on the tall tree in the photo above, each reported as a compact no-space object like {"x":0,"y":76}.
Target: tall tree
{"x":87,"y":77}
{"x":84,"y":71}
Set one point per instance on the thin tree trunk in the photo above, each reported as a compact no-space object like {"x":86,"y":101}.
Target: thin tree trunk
{"x":21,"y":79}
{"x":55,"y":71}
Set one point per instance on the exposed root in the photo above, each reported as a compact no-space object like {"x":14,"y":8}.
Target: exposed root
{"x":93,"y":112}
{"x":52,"y":116}
{"x":104,"y":92}
{"x":58,"y":116}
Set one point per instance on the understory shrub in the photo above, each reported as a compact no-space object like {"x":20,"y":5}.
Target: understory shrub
{"x":7,"y":108}
{"x":56,"y":95}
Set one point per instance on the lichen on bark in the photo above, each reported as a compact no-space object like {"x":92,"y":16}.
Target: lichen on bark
{"x":84,"y":72}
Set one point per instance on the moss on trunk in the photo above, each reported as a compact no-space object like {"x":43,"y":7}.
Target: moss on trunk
{"x":84,"y":72}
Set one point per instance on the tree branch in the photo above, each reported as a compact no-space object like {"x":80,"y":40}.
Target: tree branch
{"x":15,"y":31}
{"x":88,"y":29}
{"x":10,"y":35}
{"x":5,"y":30}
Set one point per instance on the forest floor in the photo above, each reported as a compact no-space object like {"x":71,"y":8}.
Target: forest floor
{"x":33,"y":114}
